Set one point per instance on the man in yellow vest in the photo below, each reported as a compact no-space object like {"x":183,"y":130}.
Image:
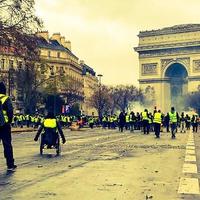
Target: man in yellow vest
{"x":157,"y":119}
{"x":145,"y":121}
{"x":5,"y":128}
{"x":173,"y":117}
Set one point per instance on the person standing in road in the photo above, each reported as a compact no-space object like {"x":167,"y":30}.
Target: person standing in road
{"x":5,"y":128}
{"x":157,"y":119}
{"x":195,"y":123}
{"x":122,"y":121}
{"x":145,"y":121}
{"x":173,"y":116}
{"x":183,"y":122}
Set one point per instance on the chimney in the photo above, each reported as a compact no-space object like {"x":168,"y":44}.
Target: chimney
{"x":82,"y":62}
{"x":43,"y":34}
{"x":68,"y":45}
{"x":62,"y":40}
{"x":56,"y":36}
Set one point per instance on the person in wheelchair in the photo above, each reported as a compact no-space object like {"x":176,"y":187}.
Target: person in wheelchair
{"x":50,"y":128}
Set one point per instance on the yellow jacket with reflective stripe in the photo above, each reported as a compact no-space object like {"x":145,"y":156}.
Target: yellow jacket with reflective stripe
{"x":157,"y":118}
{"x":3,"y":99}
{"x":50,"y":123}
{"x":144,"y":116}
{"x":173,"y":117}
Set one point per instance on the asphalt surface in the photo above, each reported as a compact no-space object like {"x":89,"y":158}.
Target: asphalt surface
{"x":99,"y":165}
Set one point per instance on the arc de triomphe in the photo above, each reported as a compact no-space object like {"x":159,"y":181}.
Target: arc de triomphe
{"x":169,"y":62}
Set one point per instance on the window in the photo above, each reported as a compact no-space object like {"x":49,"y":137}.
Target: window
{"x":58,"y":54}
{"x":62,"y":71}
{"x":2,"y":64}
{"x":19,"y":64}
{"x":52,"y":70}
{"x":11,"y":63}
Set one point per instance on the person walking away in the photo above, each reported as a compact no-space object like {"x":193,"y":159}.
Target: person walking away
{"x":145,"y":121}
{"x":183,"y":121}
{"x":91,"y":122}
{"x":167,"y":122}
{"x":5,"y":127}
{"x":188,"y":121}
{"x":104,"y":122}
{"x":127,"y":117}
{"x":195,"y":123}
{"x":132,"y":121}
{"x":157,"y":119}
{"x":122,"y":121}
{"x":173,"y":116}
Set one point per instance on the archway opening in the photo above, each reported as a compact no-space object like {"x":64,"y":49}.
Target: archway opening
{"x":178,"y":79}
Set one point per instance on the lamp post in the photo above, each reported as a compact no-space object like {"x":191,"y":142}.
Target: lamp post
{"x":100,"y":100}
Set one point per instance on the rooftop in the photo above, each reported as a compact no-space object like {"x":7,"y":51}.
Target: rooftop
{"x":182,"y":28}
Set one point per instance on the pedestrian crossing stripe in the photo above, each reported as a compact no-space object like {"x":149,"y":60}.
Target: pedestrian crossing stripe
{"x":189,"y":168}
{"x":189,"y":158}
{"x":190,"y":152}
{"x":190,"y":148}
{"x":189,"y":186}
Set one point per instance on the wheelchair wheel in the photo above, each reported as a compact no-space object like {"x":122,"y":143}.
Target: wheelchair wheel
{"x":58,"y":147}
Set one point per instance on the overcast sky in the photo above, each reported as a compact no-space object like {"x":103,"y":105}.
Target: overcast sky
{"x":104,"y":32}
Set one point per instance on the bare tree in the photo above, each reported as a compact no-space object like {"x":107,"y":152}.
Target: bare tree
{"x":123,"y":95}
{"x":18,"y":23}
{"x":101,"y":100}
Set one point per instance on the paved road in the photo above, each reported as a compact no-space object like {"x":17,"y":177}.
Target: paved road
{"x":104,"y":165}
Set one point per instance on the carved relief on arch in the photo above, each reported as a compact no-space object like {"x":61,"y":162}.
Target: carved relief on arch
{"x":184,"y":61}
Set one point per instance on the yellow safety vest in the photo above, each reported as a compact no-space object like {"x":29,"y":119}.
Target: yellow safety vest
{"x":127,"y":119}
{"x":173,"y":117}
{"x":144,"y":116}
{"x":157,"y":118}
{"x":50,"y":123}
{"x":3,"y":99}
{"x":104,"y":119}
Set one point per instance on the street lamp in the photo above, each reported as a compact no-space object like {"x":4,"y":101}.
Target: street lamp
{"x":100,"y":111}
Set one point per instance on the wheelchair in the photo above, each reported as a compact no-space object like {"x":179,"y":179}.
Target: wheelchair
{"x":50,"y":140}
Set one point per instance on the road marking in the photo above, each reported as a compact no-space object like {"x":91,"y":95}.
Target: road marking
{"x":190,"y":148}
{"x":189,"y":168}
{"x":189,"y":158}
{"x":189,"y":186}
{"x":190,"y":151}
{"x":190,"y":144}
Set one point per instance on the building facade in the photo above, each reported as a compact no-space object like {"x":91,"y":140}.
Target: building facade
{"x":90,"y":83}
{"x":57,"y":67}
{"x":169,"y":63}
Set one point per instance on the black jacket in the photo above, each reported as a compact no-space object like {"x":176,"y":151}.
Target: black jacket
{"x":9,"y":109}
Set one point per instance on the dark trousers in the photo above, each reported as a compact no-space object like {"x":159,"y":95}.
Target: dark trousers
{"x":195,"y":127}
{"x":145,"y":126}
{"x":167,"y":127}
{"x":121,"y":127}
{"x":5,"y":136}
{"x":173,"y":129}
{"x":157,"y":129}
{"x":132,"y":126}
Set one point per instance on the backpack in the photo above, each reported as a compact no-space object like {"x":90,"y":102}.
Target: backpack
{"x":2,"y":119}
